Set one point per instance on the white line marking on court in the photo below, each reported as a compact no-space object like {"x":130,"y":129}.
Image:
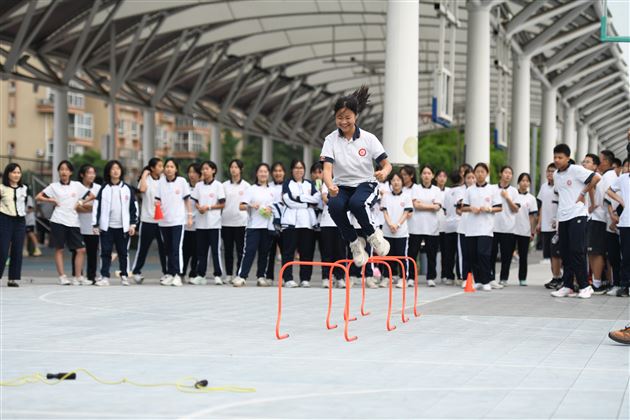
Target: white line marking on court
{"x":257,"y":401}
{"x":81,"y":414}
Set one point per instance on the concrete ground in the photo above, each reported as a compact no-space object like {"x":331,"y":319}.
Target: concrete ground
{"x":511,"y":353}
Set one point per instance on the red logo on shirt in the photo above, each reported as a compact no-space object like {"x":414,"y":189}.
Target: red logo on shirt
{"x":569,"y":182}
{"x":240,"y":193}
{"x":211,"y":195}
{"x":73,"y":195}
{"x":177,"y":191}
{"x":487,"y":198}
{"x":362,"y":152}
{"x":402,"y":204}
{"x":126,"y":198}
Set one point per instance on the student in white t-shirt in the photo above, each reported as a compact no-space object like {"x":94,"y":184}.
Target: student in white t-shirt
{"x":149,"y":228}
{"x":209,"y":199}
{"x":441,"y":178}
{"x":233,"y":219}
{"x":350,"y":153}
{"x":619,"y":191}
{"x":87,"y":175}
{"x":174,"y":195}
{"x":463,"y":256}
{"x":277,"y":175}
{"x":333,"y":248}
{"x":66,"y":196}
{"x":257,"y":202}
{"x":424,"y":232}
{"x":613,"y":246}
{"x":524,"y":224}
{"x":481,"y":202}
{"x":504,"y":238}
{"x":189,"y":248}
{"x":547,"y":221}
{"x":448,"y":245}
{"x":397,"y":207}
{"x":30,"y":221}
{"x":572,"y":183}
{"x":114,"y":217}
{"x":13,"y":203}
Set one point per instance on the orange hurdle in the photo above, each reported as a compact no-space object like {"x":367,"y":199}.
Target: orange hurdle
{"x":415,"y":291}
{"x":328,"y":325}
{"x":382,"y":260}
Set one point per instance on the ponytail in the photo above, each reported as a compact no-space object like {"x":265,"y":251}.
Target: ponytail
{"x":355,"y":102}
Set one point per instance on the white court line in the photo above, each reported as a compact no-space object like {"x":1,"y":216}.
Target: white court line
{"x":80,"y":414}
{"x":336,"y":393}
{"x":304,"y":358}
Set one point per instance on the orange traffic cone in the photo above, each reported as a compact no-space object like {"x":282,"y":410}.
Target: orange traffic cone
{"x":470,"y":285}
{"x":158,"y":211}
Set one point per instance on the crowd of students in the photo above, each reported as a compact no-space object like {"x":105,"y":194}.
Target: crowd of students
{"x":344,"y":207}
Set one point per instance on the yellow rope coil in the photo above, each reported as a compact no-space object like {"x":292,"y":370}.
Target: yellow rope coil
{"x":186,"y":384}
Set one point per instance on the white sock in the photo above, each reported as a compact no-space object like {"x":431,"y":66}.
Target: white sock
{"x":597,"y":283}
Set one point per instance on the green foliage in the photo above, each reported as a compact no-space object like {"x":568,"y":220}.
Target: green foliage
{"x":90,"y":156}
{"x":285,"y":153}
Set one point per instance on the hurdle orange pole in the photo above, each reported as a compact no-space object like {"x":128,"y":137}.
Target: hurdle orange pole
{"x":391,"y":293}
{"x":382,"y":260}
{"x":347,"y":264}
{"x":280,"y":281}
{"x":415,"y":291}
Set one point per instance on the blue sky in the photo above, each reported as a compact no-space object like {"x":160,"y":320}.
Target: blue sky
{"x":620,"y":10}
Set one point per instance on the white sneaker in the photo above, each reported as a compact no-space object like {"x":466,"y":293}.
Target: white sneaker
{"x":411,"y":283}
{"x":379,"y":243}
{"x":563,"y":292}
{"x":371,"y":283}
{"x":448,"y":282}
{"x":341,"y":284}
{"x":325,"y":283}
{"x":76,"y":281}
{"x":238,"y":281}
{"x":199,"y":281}
{"x":612,"y":291}
{"x":84,"y":282}
{"x":262,"y":282}
{"x":229,"y":280}
{"x":585,"y":293}
{"x":503,"y":283}
{"x":493,"y":284}
{"x":177,"y":281}
{"x":486,"y":287}
{"x":138,"y":278}
{"x":218,"y":281}
{"x":359,"y":256}
{"x":305,"y":283}
{"x":117,"y":273}
{"x":459,"y":282}
{"x":431,"y":283}
{"x":103,"y":281}
{"x":166,"y":280}
{"x":400,"y":284}
{"x":64,"y":281}
{"x":385,"y":281}
{"x":290,"y":284}
{"x":124,"y":281}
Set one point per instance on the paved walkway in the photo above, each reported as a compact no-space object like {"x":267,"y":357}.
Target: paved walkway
{"x":512,"y":353}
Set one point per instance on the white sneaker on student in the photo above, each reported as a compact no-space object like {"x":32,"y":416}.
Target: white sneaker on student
{"x":76,"y":281}
{"x":411,"y":283}
{"x":229,"y":279}
{"x":493,"y":284}
{"x":459,"y":282}
{"x":166,"y":280}
{"x":385,"y":281}
{"x":305,"y":283}
{"x":400,"y":284}
{"x":64,"y":281}
{"x":85,"y":282}
{"x":503,"y":283}
{"x":124,"y":281}
{"x":371,"y":283}
{"x":448,"y":282}
{"x":563,"y":292}
{"x":290,"y":284}
{"x":612,"y":291}
{"x":177,"y":281}
{"x":379,"y":243}
{"x":262,"y":282}
{"x":238,"y":282}
{"x":585,"y":293}
{"x":486,"y":287}
{"x":359,"y":256}
{"x":138,"y":278}
{"x":325,"y":283}
{"x":218,"y":281}
{"x":103,"y":281}
{"x":199,"y":281}
{"x":341,"y":284}
{"x":431,"y":283}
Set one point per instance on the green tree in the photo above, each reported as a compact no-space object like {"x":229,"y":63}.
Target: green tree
{"x":90,"y":156}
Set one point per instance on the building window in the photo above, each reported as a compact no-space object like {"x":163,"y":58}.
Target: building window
{"x":11,"y":118}
{"x":189,"y":141}
{"x":12,"y":87}
{"x":185,"y":122}
{"x":76,"y":100}
{"x":81,"y":126}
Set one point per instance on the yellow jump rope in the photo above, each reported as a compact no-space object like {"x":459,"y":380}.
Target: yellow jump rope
{"x":189,"y":384}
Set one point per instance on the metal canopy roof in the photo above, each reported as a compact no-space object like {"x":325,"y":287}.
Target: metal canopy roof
{"x":274,"y":67}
